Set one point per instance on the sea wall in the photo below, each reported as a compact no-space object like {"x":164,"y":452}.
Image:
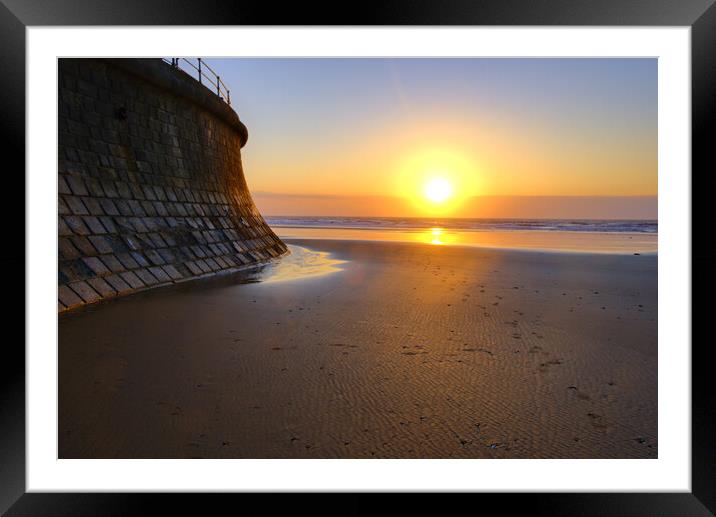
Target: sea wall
{"x":151,"y":189}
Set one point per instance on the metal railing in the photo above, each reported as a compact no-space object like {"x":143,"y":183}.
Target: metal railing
{"x":204,"y":74}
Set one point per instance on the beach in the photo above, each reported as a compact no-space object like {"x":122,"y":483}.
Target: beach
{"x":403,"y":350}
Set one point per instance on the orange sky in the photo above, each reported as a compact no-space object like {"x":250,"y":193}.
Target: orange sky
{"x":373,"y":132}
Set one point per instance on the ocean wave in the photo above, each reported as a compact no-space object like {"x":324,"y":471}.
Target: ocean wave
{"x":405,"y":223}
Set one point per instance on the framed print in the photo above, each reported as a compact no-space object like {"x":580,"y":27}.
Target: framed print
{"x":430,"y":249}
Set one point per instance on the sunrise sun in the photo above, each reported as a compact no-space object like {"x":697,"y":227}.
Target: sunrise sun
{"x":438,"y":190}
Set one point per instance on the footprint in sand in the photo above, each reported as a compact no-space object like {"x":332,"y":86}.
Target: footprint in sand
{"x":544,"y":367}
{"x":598,"y":421}
{"x":483,"y":350}
{"x":580,"y":395}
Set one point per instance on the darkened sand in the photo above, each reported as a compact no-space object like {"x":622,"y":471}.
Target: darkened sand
{"x":412,"y":350}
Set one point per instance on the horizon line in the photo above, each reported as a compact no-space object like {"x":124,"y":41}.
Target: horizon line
{"x":269,"y":193}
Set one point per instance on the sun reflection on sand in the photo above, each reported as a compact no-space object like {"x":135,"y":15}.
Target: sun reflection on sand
{"x":436,"y":236}
{"x":436,"y":233}
{"x":585,"y":242}
{"x":300,"y":263}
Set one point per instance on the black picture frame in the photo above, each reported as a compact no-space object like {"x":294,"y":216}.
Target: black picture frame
{"x":17,"y":15}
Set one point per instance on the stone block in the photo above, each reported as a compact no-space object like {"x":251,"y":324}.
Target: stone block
{"x":76,"y":206}
{"x":172,"y":272}
{"x":62,"y":228}
{"x":96,"y":265}
{"x":194,"y":268}
{"x":160,"y":274}
{"x":108,"y":206}
{"x":138,"y":224}
{"x":93,"y":206}
{"x":62,"y":186}
{"x":84,"y":291}
{"x":132,"y":242}
{"x":108,"y":224}
{"x":144,"y":241}
{"x":68,"y":273}
{"x":136,"y":207}
{"x":169,"y":239}
{"x":149,"y":192}
{"x":103,"y":288}
{"x":127,"y":260}
{"x":101,"y":243}
{"x":149,"y":208}
{"x":62,"y":207}
{"x":157,"y":240}
{"x":83,"y":245}
{"x":150,"y":224}
{"x":66,"y":250}
{"x":167,"y":255}
{"x":68,"y":297}
{"x":132,"y":279}
{"x":233,"y":259}
{"x":123,"y":207}
{"x":171,"y":194}
{"x":154,"y":257}
{"x":161,"y":208}
{"x":118,"y":284}
{"x":109,"y":188}
{"x":75,"y":224}
{"x":203,"y":265}
{"x":159,"y":193}
{"x":244,"y":258}
{"x":94,"y":225}
{"x":112,"y":263}
{"x":77,"y":186}
{"x":140,"y":258}
{"x":146,"y":277}
{"x":94,"y":187}
{"x":212,"y":264}
{"x":137,"y":192}
{"x":124,"y":224}
{"x":221,"y":263}
{"x":124,"y":190}
{"x":116,"y":243}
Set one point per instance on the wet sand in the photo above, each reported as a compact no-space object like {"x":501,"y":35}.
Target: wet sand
{"x":620,"y":243}
{"x":411,"y":351}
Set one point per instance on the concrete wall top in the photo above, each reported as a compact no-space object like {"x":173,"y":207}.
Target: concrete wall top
{"x":180,"y":83}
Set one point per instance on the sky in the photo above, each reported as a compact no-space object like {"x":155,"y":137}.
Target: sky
{"x":510,"y":137}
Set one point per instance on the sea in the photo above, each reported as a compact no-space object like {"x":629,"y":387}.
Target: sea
{"x":563,"y":235}
{"x":415,"y":223}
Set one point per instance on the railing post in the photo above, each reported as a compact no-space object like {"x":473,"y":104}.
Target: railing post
{"x":219,"y":84}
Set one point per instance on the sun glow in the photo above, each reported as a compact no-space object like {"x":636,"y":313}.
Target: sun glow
{"x":438,"y":190}
{"x":437,"y":181}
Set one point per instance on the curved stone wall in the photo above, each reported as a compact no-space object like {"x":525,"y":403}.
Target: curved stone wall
{"x":151,"y":189}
